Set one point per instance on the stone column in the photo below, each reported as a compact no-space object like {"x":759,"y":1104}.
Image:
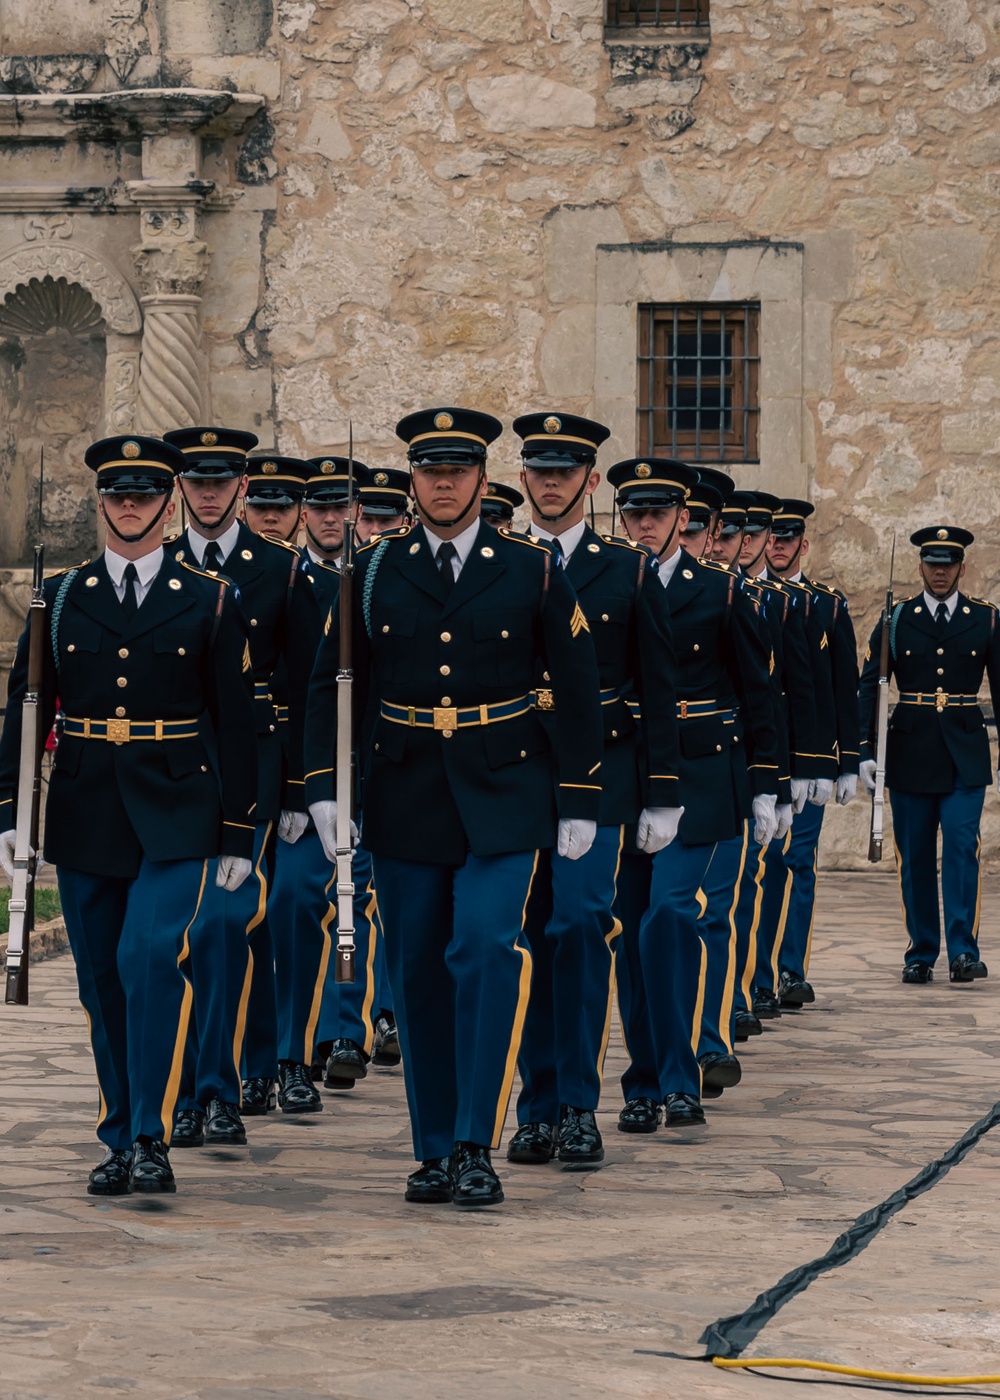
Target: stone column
{"x":171,"y":262}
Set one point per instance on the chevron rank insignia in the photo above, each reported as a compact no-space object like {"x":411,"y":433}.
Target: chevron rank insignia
{"x":578,"y":623}
{"x":246,"y":657}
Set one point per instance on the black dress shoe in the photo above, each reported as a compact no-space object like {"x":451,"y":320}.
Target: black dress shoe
{"x":151,"y":1168}
{"x":257,"y":1096}
{"x":345,"y":1064}
{"x":386,"y":1049}
{"x":296,"y":1091}
{"x":532,"y":1144}
{"x":580,"y":1145}
{"x":794,"y":991}
{"x":475,"y":1181}
{"x":766,"y":1006}
{"x":718,"y":1072}
{"x":431,"y":1183}
{"x":682,"y":1111}
{"x":917,"y":974}
{"x":189,"y":1128}
{"x":223,"y":1125}
{"x":111,"y":1175}
{"x":966,"y":968}
{"x":639,"y":1116}
{"x":747,"y":1024}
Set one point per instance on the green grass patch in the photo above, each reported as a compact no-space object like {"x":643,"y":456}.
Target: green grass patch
{"x":47,"y":907}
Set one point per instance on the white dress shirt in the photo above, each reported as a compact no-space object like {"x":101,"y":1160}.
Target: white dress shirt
{"x":226,"y":542}
{"x":931,"y":603}
{"x":568,"y":540}
{"x":668,"y":567}
{"x":463,"y":544}
{"x":147,"y":568}
{"x":325,"y":563}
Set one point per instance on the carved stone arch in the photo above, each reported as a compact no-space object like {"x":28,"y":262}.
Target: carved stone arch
{"x":105,"y":283}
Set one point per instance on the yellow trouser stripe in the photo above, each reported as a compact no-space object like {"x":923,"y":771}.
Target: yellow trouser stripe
{"x":315,"y":1006}
{"x":779,"y":933}
{"x":174,"y":1078}
{"x":523,"y":990}
{"x":699,"y":1004}
{"x":758,"y":898}
{"x":102,"y":1111}
{"x":726,"y":1010}
{"x":812,"y":917}
{"x":366,"y":1008}
{"x":610,"y":939}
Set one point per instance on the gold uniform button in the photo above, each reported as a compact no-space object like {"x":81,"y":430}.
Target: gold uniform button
{"x":446,"y":636}
{"x":182,"y":651}
{"x":122,"y":681}
{"x":697,"y":647}
{"x":614,"y":733}
{"x":447,"y":733}
{"x":505,"y":633}
{"x":605,"y":618}
{"x":524,"y":753}
{"x":120,"y":712}
{"x":123,"y":652}
{"x":204,"y":767}
{"x":253,"y":622}
{"x":445,"y":670}
{"x":71,"y":647}
{"x":546,"y":676}
{"x":385,"y":626}
{"x":940,"y":671}
{"x":446,"y":702}
{"x":940,"y":651}
{"x":718,"y":748}
{"x":271,"y":728}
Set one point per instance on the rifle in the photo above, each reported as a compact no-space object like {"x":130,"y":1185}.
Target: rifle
{"x":882,"y":721}
{"x":29,"y":791}
{"x":344,"y":967}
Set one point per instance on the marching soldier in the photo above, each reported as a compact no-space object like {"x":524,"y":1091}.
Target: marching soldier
{"x":452,"y":620}
{"x":500,"y":503}
{"x":273,"y":501}
{"x":570,"y":927}
{"x":728,"y":767}
{"x":835,"y":675}
{"x":232,"y":962}
{"x":141,"y":815}
{"x":383,"y":503}
{"x":938,"y":754}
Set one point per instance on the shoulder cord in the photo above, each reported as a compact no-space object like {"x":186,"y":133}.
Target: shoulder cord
{"x":893,"y":624}
{"x":366,"y":593}
{"x":57,"y":608}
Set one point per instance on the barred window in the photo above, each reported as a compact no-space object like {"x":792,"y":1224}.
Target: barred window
{"x":698,"y":376}
{"x":675,"y":14}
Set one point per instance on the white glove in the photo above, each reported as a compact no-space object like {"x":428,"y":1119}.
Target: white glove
{"x":291,"y":825}
{"x":820,"y":791}
{"x":847,"y":788}
{"x":8,"y":840}
{"x":575,"y":837}
{"x":867,"y":775}
{"x":324,"y":815}
{"x":800,"y":791}
{"x":232,"y":871}
{"x":657,"y":828}
{"x":783,"y":811}
{"x":765,"y":817}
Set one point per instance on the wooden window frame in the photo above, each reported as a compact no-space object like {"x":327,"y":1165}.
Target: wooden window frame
{"x":725,"y":431}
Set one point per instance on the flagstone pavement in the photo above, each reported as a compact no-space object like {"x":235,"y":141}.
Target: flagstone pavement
{"x":294,"y":1269}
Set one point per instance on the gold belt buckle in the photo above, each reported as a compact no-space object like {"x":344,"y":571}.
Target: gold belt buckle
{"x":544,"y":700}
{"x":940,"y":700}
{"x":118,"y":731}
{"x":445,"y":717}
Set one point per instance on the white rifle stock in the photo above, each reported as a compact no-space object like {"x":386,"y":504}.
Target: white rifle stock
{"x":344,"y":966}
{"x":29,"y":789}
{"x":882,"y":723}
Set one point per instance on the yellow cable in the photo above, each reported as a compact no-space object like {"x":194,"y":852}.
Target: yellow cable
{"x":792,"y":1363}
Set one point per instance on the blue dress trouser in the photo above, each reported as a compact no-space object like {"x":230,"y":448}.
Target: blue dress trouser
{"x":130,"y":942}
{"x":916,"y":818}
{"x":640,"y":1079}
{"x":220,"y":970}
{"x":348,"y":1009}
{"x":460,"y":972}
{"x":303,"y":926}
{"x":717,"y":929}
{"x":748,"y":913}
{"x":671,"y":962}
{"x":786,"y":922}
{"x":571,"y":932}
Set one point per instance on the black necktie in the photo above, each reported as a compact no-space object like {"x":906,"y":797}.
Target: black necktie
{"x":446,"y":555}
{"x":941,"y":616}
{"x":130,"y":598}
{"x":557,"y":550}
{"x":213,"y":557}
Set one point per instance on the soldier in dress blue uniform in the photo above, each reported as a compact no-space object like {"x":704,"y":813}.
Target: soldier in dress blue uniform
{"x":234,"y":1027}
{"x":452,"y":620}
{"x":273,"y":501}
{"x":141,"y":815}
{"x":938,"y":755}
{"x":728,"y":768}
{"x":500,"y":503}
{"x":835,"y":676}
{"x":570,"y":926}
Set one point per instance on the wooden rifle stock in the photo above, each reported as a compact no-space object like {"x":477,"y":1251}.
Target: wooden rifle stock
{"x":29,"y":791}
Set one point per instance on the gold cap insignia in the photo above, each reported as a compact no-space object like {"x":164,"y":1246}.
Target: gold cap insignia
{"x":443,"y":421}
{"x":552,"y":425}
{"x":644,"y":470}
{"x":381,"y":479}
{"x":131,"y":449}
{"x":942,"y":534}
{"x":327,"y":468}
{"x":209,"y":439}
{"x":269,"y":468}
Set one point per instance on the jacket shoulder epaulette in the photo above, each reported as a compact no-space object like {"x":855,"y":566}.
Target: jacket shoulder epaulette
{"x":59,"y":573}
{"x":983,"y":602}
{"x":714,"y":564}
{"x":282,"y":544}
{"x":203,"y":573}
{"x":524,"y":539}
{"x":399,"y":533}
{"x":624,"y":544}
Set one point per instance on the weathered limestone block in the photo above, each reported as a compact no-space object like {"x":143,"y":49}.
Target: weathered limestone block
{"x":490,"y":21}
{"x":523,"y":101}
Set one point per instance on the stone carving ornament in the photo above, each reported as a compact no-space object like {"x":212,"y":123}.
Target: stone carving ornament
{"x":65,"y":260}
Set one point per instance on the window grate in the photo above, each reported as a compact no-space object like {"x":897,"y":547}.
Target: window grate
{"x":698,"y":376}
{"x":654,"y":14}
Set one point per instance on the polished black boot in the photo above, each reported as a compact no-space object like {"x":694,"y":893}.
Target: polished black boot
{"x":794,"y":991}
{"x":640,"y":1115}
{"x":766,"y":1006}
{"x":718,"y":1072}
{"x":189,"y":1128}
{"x":966,"y":968}
{"x":151,"y":1172}
{"x":682,"y":1111}
{"x":345,"y":1064}
{"x":111,"y":1175}
{"x":532,"y":1144}
{"x":296,"y":1091}
{"x":475,"y":1181}
{"x":747,"y":1025}
{"x":257,"y":1096}
{"x":386,"y":1051}
{"x":431,"y":1184}
{"x":223,"y":1125}
{"x":580,"y":1145}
